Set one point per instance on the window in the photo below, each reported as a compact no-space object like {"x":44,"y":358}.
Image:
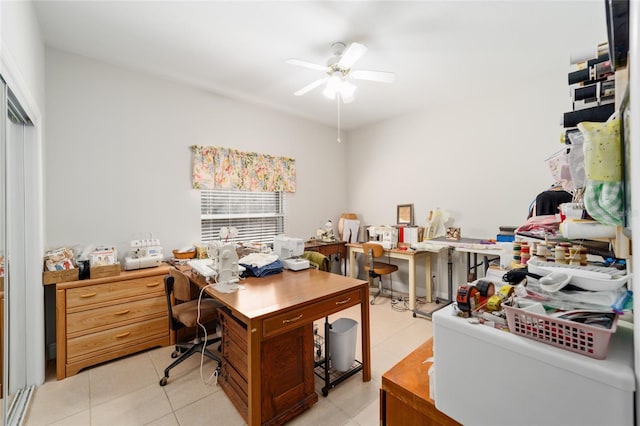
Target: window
{"x":258,"y":216}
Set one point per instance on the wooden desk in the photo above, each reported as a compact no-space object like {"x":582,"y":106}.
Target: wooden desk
{"x":410,"y":256}
{"x":328,"y":249}
{"x":276,"y":307}
{"x":404,"y":394}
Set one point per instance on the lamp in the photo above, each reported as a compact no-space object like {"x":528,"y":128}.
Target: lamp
{"x":337,"y":85}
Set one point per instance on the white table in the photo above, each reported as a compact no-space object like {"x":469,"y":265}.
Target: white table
{"x":408,"y":255}
{"x":486,"y":252}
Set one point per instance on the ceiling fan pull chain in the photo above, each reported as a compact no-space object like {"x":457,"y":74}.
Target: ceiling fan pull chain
{"x":338,"y":100}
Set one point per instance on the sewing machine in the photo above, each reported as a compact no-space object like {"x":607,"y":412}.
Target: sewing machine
{"x":385,"y":235}
{"x":289,"y":251}
{"x":222,"y":263}
{"x":144,"y":254}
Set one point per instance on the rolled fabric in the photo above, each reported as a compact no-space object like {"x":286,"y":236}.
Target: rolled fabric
{"x":577,"y":229}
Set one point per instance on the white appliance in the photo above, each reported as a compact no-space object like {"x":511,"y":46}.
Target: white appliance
{"x":289,"y":250}
{"x":486,"y":376}
{"x":222,"y":264}
{"x":385,"y":235}
{"x":144,"y":254}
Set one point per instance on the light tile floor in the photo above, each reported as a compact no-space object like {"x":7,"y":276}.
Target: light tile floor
{"x":126,"y":391}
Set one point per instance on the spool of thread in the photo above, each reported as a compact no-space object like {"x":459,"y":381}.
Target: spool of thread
{"x":561,"y":255}
{"x":583,"y":256}
{"x":524,"y":258}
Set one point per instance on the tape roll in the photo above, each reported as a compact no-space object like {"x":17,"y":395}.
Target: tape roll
{"x":506,"y":291}
{"x":494,"y":303}
{"x":486,"y":288}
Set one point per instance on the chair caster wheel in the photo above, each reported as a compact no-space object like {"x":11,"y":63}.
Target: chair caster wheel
{"x":163,"y":381}
{"x":175,"y":354}
{"x":414,"y":315}
{"x":325,"y":392}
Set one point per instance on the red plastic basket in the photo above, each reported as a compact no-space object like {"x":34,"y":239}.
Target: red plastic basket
{"x":584,"y":339}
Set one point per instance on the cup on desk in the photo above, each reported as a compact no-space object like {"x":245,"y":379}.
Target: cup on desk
{"x":453,"y":233}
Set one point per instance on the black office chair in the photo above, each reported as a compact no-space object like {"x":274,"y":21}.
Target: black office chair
{"x":377,"y":269}
{"x":183,"y":312}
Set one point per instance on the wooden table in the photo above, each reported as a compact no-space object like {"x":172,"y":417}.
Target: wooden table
{"x":404,"y":394}
{"x":276,"y":306}
{"x":337,"y":248}
{"x":408,"y":255}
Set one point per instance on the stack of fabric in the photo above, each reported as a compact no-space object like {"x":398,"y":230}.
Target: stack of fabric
{"x":261,"y":264}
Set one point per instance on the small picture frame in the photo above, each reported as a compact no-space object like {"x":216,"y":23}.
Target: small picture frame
{"x":405,"y":214}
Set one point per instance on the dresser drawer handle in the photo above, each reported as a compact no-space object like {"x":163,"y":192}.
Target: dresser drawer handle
{"x":292,"y":319}
{"x":153,"y":284}
{"x":348,"y":299}
{"x":87,"y":295}
{"x":126,"y":311}
{"x":121,"y":335}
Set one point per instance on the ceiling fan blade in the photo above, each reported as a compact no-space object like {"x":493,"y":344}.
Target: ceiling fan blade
{"x":381,"y":76}
{"x":306,"y":64}
{"x":310,"y":87}
{"x":351,"y":55}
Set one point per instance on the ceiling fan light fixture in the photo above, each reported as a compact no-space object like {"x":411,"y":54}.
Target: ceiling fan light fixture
{"x":337,"y":85}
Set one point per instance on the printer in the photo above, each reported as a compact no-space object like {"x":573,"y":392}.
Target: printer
{"x":289,"y":251}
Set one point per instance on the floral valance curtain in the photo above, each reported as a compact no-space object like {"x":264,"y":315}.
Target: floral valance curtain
{"x":224,"y":168}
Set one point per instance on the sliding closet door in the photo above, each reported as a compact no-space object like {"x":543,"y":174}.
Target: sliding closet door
{"x":16,"y":130}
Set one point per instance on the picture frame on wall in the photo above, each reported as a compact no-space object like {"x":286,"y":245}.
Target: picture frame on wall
{"x":405,"y":215}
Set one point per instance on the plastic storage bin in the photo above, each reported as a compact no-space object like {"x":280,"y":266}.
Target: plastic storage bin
{"x":342,"y":337}
{"x":570,"y":335}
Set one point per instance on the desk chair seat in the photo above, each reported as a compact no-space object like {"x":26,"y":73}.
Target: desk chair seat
{"x":376,"y":269}
{"x":183,"y":312}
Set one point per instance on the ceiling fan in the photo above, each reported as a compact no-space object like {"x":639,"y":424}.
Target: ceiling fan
{"x":339,"y":72}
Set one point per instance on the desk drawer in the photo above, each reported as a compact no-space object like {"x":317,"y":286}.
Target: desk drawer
{"x":236,"y":388}
{"x":236,"y":330}
{"x":102,"y":340}
{"x":99,"y":317}
{"x":82,"y":296}
{"x":295,"y":317}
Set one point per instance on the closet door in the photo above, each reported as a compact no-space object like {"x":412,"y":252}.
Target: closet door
{"x":15,"y":131}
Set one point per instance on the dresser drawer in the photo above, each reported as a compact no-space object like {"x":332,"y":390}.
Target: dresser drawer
{"x":99,"y":317}
{"x":90,"y":343}
{"x":82,"y":296}
{"x":295,"y":317}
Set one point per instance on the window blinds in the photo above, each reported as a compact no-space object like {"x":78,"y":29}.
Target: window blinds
{"x":258,"y":216}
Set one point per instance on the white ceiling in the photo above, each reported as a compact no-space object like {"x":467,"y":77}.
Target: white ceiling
{"x":238,"y":48}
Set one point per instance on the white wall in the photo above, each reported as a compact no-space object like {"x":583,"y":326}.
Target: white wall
{"x":480,"y":152}
{"x":118,"y":157}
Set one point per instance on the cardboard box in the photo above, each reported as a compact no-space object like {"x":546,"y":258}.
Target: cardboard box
{"x":104,"y":271}
{"x":54,"y":277}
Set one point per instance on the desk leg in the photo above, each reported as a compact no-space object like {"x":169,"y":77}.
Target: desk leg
{"x":254,"y":380}
{"x":412,"y":283}
{"x":427,"y":271}
{"x":366,"y":337}
{"x":352,"y":260}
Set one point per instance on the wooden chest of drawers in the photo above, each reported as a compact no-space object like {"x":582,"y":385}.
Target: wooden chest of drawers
{"x":287,"y":370}
{"x":102,"y":319}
